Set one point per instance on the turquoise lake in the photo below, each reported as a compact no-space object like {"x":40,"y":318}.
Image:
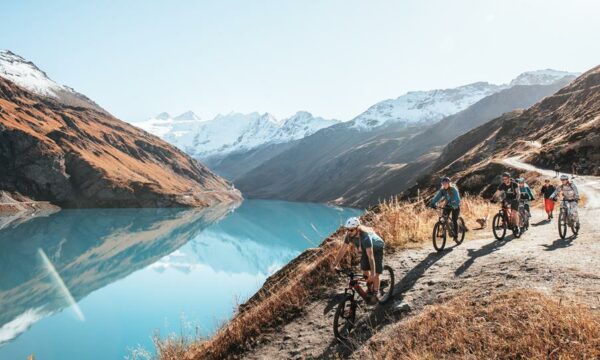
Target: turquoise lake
{"x":98,"y":283}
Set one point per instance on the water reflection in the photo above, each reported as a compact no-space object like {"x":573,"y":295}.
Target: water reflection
{"x":122,"y":274}
{"x":89,"y":249}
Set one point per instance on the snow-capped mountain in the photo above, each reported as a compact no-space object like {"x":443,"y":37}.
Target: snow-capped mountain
{"x":232,"y":132}
{"x":541,"y":77}
{"x":28,"y":76}
{"x":164,"y":124}
{"x":426,"y":107}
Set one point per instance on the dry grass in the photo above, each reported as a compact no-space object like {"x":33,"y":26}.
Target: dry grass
{"x":281,"y":298}
{"x":521,"y":324}
{"x":404,"y":224}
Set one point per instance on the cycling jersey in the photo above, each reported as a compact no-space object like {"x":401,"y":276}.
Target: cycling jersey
{"x":365,"y":240}
{"x":548,"y":190}
{"x":569,"y":192}
{"x":526,"y":193}
{"x":509,"y":190}
{"x":451,"y":196}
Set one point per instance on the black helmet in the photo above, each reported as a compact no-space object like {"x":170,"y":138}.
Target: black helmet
{"x":445,"y":179}
{"x":506,"y":174}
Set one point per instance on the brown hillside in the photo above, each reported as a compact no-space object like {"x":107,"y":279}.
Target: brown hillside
{"x":80,"y":157}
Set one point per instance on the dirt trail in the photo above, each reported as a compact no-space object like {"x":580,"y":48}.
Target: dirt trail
{"x":568,"y":268}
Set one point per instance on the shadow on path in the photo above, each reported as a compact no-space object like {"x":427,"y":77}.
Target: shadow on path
{"x":560,"y":243}
{"x":483,"y":251}
{"x":367,"y":326}
{"x":543,"y":222}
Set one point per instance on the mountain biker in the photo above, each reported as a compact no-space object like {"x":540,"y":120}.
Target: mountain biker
{"x":370,"y":245}
{"x":526,"y":194}
{"x":512,"y":195}
{"x":547,"y":191}
{"x":449,"y":192}
{"x":570,"y":193}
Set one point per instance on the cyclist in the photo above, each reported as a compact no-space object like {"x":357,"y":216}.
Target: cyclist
{"x":370,"y":245}
{"x":511,"y":199}
{"x":570,"y":194}
{"x":449,"y":192}
{"x":526,"y":194}
{"x":547,"y":191}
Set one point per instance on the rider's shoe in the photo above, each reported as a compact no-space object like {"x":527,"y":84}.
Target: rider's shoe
{"x":371,"y":298}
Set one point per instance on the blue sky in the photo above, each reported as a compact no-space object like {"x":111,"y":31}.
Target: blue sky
{"x":332,"y":57}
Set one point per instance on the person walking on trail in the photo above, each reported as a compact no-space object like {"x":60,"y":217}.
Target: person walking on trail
{"x":574,"y":169}
{"x":547,"y":190}
{"x":570,"y":194}
{"x":370,"y":246}
{"x":556,"y":170}
{"x":450,"y":194}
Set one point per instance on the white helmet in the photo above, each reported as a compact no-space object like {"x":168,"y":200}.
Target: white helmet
{"x":352,"y":223}
{"x":564,"y":177}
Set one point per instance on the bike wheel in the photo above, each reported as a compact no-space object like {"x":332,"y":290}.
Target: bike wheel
{"x":574,"y":228}
{"x":562,"y":224}
{"x":439,"y":236}
{"x":462,"y":228}
{"x":344,"y":318}
{"x":386,"y":285}
{"x":517,"y":232}
{"x":498,"y":227}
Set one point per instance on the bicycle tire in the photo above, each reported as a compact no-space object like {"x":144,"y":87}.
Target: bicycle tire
{"x":497,"y":224}
{"x":461,"y":231}
{"x":390,"y":293}
{"x":439,"y":234}
{"x":341,"y":330}
{"x":562,"y":224}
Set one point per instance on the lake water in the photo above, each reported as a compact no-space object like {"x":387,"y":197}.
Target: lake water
{"x":95,"y":284}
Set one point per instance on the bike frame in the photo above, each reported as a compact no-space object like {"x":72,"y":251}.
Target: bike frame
{"x":565,"y":205}
{"x":355,"y":287}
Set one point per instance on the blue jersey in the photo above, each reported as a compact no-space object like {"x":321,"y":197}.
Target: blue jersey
{"x":451,"y":196}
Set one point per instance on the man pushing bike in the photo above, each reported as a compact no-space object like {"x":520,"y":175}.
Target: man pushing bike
{"x":512,"y":195}
{"x":370,"y":245}
{"x":570,"y":195}
{"x":450,"y":194}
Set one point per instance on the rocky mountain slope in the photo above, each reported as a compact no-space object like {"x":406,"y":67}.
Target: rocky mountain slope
{"x":560,"y":129}
{"x":28,"y":76}
{"x":351,"y":165}
{"x":79,"y":156}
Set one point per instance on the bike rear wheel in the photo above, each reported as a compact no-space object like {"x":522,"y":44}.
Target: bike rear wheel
{"x":439,"y":236}
{"x":498,"y":227}
{"x":386,"y":285}
{"x":345,"y":317}
{"x":462,"y":228}
{"x":562,"y":224}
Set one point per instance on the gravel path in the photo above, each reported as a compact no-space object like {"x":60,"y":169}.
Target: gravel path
{"x":568,"y":268}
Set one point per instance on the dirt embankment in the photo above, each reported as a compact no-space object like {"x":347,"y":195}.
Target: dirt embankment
{"x":16,"y":208}
{"x":562,"y":272}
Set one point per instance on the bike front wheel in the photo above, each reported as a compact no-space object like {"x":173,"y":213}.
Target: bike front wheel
{"x":439,"y":236}
{"x":345,"y":317}
{"x":498,"y":227}
{"x":386,"y":285}
{"x":562,"y":224}
{"x":462,"y":229}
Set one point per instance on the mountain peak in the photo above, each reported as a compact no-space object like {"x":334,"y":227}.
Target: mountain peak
{"x":188,"y":115}
{"x":163,"y":116}
{"x":541,"y":77}
{"x":25,"y":74}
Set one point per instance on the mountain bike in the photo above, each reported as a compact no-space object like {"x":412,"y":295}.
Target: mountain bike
{"x":523,"y":215}
{"x":443,"y":227}
{"x":566,"y":218}
{"x":345,"y":314}
{"x":501,"y":223}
